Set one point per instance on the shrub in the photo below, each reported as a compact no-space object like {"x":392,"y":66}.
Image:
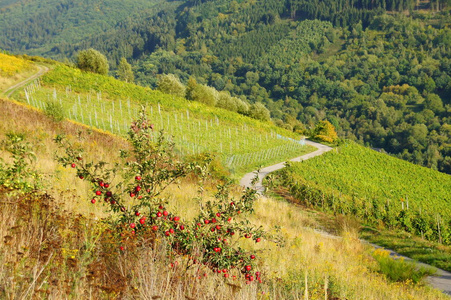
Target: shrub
{"x":19,"y":174}
{"x":124,"y":71}
{"x":137,"y":207}
{"x":399,"y":269}
{"x":170,"y":84}
{"x":205,"y":94}
{"x":55,"y":111}
{"x":325,"y":131}
{"x":92,"y":61}
{"x":260,"y":112}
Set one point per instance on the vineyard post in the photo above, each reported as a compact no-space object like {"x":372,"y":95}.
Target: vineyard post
{"x":438,"y":229}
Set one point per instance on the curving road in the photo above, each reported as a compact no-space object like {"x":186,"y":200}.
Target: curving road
{"x":246,"y":181}
{"x":41,"y":71}
{"x":441,"y":280}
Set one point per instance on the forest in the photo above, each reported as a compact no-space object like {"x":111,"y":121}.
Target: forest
{"x":379,"y":71}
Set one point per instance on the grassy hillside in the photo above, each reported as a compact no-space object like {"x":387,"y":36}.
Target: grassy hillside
{"x":378,"y":189}
{"x":13,"y":70}
{"x":64,"y":239}
{"x":242,"y":143}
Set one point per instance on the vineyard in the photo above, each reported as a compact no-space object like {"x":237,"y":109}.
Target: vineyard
{"x":377,"y":188}
{"x":105,"y":103}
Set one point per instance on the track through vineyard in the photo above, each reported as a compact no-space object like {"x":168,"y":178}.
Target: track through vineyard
{"x":441,"y":280}
{"x":41,"y":70}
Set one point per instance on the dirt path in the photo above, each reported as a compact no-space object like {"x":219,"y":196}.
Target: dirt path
{"x":12,"y":89}
{"x":441,"y":280}
{"x":247,"y":179}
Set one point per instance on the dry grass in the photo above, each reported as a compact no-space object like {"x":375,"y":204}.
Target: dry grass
{"x":53,"y":247}
{"x":13,"y":70}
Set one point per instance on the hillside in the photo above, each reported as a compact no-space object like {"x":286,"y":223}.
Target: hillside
{"x":378,"y":70}
{"x":36,"y":27}
{"x":380,"y":191}
{"x":102,"y":102}
{"x":73,"y":245}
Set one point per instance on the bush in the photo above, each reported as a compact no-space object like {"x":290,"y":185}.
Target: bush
{"x":137,"y":207}
{"x":205,"y":94}
{"x":18,"y":175}
{"x":399,"y":269}
{"x":92,"y":61}
{"x":170,"y":84}
{"x":260,"y":112}
{"x":55,"y":111}
{"x":325,"y":131}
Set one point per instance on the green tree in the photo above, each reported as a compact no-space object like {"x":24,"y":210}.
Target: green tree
{"x":434,"y":103}
{"x":170,"y":84}
{"x":205,"y":94}
{"x":259,"y":111}
{"x":93,"y":61}
{"x":124,"y":71}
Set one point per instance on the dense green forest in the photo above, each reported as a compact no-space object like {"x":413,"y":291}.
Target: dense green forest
{"x":36,"y":26}
{"x":379,"y":71}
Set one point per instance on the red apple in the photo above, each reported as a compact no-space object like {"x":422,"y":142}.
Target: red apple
{"x":155,"y":228}
{"x":72,"y":165}
{"x":98,"y":193}
{"x":252,"y":256}
{"x":132,"y":225}
{"x":137,"y":213}
{"x":93,"y":201}
{"x":247,"y":268}
{"x":159,"y":214}
{"x":142,"y":221}
{"x":258,"y":240}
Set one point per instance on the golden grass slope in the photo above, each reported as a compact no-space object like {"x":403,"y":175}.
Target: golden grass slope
{"x":13,"y":70}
